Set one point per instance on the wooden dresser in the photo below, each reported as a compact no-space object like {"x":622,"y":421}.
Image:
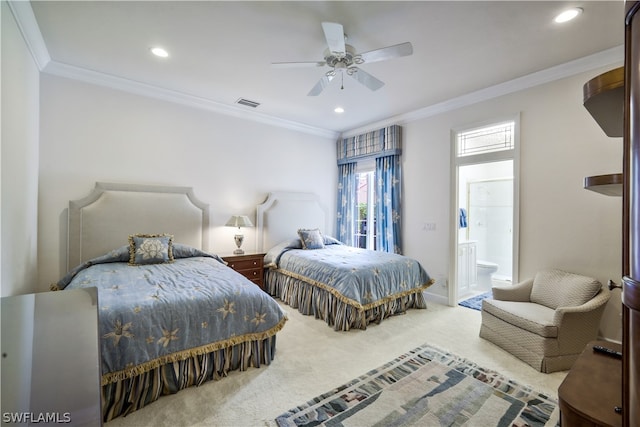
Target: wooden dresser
{"x":250,"y":265}
{"x":591,"y":392}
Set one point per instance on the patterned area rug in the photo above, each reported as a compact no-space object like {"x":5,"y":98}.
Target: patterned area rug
{"x":427,"y":387}
{"x":475,"y":302}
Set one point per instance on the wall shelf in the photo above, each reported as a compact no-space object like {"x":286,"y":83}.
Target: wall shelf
{"x":603,"y":97}
{"x":609,"y":185}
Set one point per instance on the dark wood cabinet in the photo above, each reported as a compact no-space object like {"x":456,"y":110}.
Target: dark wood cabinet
{"x":631,"y":221}
{"x":591,"y":392}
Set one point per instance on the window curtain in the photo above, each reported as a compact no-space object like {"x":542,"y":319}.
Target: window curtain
{"x":388,"y":190}
{"x":347,"y":214}
{"x":383,"y":145}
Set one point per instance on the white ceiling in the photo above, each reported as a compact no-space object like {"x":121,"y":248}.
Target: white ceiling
{"x":222,"y":51}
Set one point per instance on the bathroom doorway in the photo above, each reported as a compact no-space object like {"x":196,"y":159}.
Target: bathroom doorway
{"x":485,"y":230}
{"x":487,"y":198}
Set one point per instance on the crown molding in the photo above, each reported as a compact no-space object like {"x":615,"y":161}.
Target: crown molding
{"x":151,"y":91}
{"x":609,"y":57}
{"x":26,"y":22}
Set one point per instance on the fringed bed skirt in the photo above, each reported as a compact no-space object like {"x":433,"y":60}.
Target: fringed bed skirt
{"x":309,"y":300}
{"x":128,"y":395}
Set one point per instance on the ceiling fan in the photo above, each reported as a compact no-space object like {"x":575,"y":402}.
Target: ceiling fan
{"x":343,"y":59}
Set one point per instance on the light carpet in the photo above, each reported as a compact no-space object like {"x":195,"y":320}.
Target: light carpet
{"x":427,"y":387}
{"x":312,"y":358}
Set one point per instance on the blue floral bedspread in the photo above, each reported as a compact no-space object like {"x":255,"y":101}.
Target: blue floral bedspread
{"x":150,"y":315}
{"x":362,"y":278}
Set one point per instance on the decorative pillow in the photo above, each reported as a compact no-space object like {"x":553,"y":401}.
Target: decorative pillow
{"x":150,"y":249}
{"x":328,"y":240}
{"x":311,"y":238}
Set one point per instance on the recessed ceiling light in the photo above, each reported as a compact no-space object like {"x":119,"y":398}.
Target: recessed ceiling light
{"x":568,"y":15}
{"x":158,"y":51}
{"x":339,"y":110}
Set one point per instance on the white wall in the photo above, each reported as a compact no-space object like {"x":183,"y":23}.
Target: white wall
{"x":91,"y":133}
{"x":19,"y":162}
{"x":561,"y":224}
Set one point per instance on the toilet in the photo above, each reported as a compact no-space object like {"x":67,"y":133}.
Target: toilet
{"x":485,"y":272}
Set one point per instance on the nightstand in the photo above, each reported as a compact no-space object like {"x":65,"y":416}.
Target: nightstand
{"x":250,"y":265}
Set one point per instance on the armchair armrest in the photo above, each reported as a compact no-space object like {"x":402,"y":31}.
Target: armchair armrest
{"x":518,"y":292}
{"x":601,"y":298}
{"x":580,"y":324}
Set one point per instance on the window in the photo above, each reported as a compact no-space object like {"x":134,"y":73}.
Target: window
{"x":365,"y":227}
{"x":369,"y":172}
{"x":487,"y":139}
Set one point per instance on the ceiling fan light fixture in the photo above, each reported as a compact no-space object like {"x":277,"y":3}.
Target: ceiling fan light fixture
{"x":568,"y":15}
{"x":342,"y":58}
{"x":338,"y":110}
{"x":340,"y":66}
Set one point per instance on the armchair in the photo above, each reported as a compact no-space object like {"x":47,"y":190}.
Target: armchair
{"x":545,"y":321}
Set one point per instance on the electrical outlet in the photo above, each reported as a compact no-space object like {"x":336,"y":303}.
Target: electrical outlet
{"x":441,"y":282}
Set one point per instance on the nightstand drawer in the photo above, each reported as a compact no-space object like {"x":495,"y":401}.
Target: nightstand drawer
{"x":246,"y":264}
{"x":251,"y":274}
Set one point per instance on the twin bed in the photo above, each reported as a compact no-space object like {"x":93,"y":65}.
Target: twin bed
{"x":347,"y":287}
{"x":172,"y":315}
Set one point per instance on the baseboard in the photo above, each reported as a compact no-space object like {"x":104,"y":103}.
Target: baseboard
{"x":609,"y":340}
{"x":440,"y":299}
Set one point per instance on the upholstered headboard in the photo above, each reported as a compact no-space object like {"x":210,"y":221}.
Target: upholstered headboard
{"x":104,"y":219}
{"x":283,"y":213}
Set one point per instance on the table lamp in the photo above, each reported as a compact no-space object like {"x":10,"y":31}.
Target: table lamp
{"x":239,"y":221}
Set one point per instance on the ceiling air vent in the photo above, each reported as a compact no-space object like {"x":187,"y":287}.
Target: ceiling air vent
{"x":247,"y":103}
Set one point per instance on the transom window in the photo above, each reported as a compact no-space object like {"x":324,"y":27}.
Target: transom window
{"x":487,"y":139}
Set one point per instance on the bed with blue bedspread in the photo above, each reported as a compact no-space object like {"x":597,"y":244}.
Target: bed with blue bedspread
{"x":347,"y":287}
{"x":158,"y":316}
{"x":171,"y":315}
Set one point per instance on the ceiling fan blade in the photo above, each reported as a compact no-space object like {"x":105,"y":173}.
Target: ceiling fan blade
{"x":298,"y":64}
{"x":319,"y":87}
{"x":382,"y":54}
{"x":334,"y":33}
{"x":366,"y":79}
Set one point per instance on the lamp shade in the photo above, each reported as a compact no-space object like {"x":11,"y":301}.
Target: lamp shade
{"x":239,"y":221}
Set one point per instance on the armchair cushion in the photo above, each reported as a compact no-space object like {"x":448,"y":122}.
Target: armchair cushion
{"x":555,"y":288}
{"x":531,"y":317}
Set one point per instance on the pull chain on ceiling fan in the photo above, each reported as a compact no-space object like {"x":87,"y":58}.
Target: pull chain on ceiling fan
{"x":343,"y":59}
